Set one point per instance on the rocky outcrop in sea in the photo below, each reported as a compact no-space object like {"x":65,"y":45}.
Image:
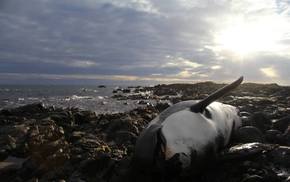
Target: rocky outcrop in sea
{"x":40,"y":143}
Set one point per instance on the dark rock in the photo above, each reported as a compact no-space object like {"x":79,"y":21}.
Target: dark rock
{"x":125,"y":137}
{"x":29,"y":109}
{"x":248,"y":134}
{"x":84,"y":117}
{"x":76,"y":135}
{"x":273,"y":136}
{"x":246,"y":151}
{"x":261,"y":121}
{"x":99,"y":169}
{"x":253,"y":178}
{"x":142,"y":102}
{"x":162,"y":106}
{"x":244,"y":113}
{"x":124,"y":124}
{"x":63,"y":118}
{"x":9,"y":168}
{"x":126,"y":90}
{"x":11,"y":142}
{"x":47,"y":145}
{"x":6,"y":112}
{"x":286,"y":137}
{"x":3,"y":154}
{"x":161,"y":90}
{"x":282,"y":124}
{"x":246,"y":121}
{"x":281,"y":156}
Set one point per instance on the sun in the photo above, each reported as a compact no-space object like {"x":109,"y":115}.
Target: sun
{"x":243,"y":38}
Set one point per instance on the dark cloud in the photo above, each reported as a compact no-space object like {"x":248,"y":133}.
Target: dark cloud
{"x":110,"y":37}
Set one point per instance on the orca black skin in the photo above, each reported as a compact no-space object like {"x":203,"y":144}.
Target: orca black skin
{"x":186,"y":132}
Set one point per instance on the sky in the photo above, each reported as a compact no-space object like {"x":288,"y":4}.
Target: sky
{"x":144,"y":41}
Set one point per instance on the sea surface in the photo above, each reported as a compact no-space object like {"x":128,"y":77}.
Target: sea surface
{"x":83,"y":97}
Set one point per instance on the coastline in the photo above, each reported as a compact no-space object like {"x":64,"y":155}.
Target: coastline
{"x":70,"y":144}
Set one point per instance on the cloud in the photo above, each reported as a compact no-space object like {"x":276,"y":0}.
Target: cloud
{"x":83,"y":64}
{"x":216,"y":67}
{"x":184,"y":74}
{"x":180,"y":62}
{"x":269,"y":72}
{"x":143,"y":39}
{"x":60,"y":78}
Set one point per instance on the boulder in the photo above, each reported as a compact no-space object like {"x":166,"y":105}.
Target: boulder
{"x":261,"y":121}
{"x":282,"y":124}
{"x":248,"y":134}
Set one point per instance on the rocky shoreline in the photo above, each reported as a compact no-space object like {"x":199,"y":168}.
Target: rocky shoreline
{"x":40,"y":143}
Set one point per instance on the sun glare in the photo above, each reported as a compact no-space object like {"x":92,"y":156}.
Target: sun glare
{"x":243,"y":38}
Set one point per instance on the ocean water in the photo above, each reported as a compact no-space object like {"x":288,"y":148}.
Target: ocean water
{"x":84,"y":97}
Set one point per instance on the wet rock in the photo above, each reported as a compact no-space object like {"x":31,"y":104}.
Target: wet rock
{"x":63,"y":118}
{"x":162,"y":106}
{"x":11,"y":142}
{"x":84,"y":117}
{"x":248,"y":134}
{"x":253,"y":178}
{"x":282,"y":124}
{"x":47,"y":145}
{"x":125,"y":103}
{"x":98,"y":169}
{"x":76,"y":135}
{"x":9,"y":168}
{"x":142,"y":102}
{"x":125,"y":124}
{"x":164,"y":91}
{"x":29,"y":169}
{"x":125,"y":137}
{"x":3,"y":154}
{"x":5,"y":112}
{"x":274,"y":136}
{"x":246,"y":121}
{"x":281,"y":156}
{"x":121,"y":170}
{"x":286,"y":136}
{"x":246,"y":151}
{"x":261,"y":121}
{"x":245,"y":116}
{"x":13,"y":138}
{"x":126,"y":90}
{"x":244,"y":113}
{"x":29,"y":109}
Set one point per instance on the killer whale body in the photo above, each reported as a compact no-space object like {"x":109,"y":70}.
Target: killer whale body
{"x":184,"y":132}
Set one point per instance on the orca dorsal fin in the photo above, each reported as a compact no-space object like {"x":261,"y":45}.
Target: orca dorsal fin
{"x":200,"y":106}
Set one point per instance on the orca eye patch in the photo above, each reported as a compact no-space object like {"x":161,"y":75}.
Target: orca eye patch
{"x":207,"y":113}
